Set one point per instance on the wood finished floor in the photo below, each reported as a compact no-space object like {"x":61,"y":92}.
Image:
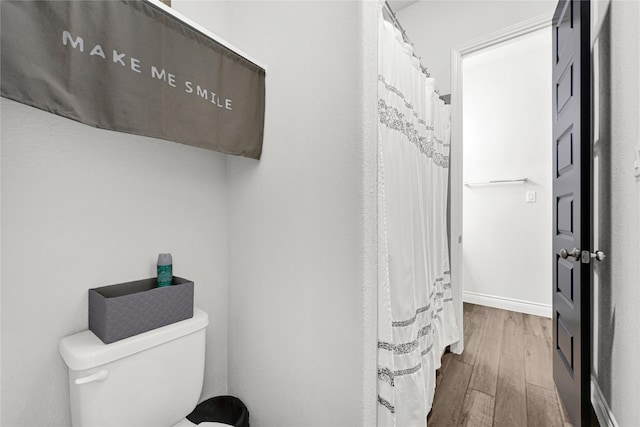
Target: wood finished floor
{"x":504,"y":376}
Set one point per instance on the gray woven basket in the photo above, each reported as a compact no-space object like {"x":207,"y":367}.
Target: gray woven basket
{"x":127,"y":309}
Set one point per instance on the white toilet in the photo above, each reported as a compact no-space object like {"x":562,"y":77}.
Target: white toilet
{"x":152,"y":379}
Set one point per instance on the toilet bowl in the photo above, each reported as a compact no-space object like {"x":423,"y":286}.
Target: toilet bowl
{"x":153,"y":379}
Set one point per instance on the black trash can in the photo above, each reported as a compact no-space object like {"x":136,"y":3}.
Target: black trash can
{"x":222,"y":409}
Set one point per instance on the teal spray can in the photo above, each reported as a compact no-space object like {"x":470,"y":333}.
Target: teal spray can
{"x":165,"y":270}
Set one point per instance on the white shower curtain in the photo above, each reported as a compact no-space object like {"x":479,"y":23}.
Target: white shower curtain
{"x":416,"y":319}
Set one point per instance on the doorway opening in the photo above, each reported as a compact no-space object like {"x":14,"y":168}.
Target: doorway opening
{"x":494,"y":198}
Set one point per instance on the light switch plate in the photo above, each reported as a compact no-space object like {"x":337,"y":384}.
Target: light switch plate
{"x":530,"y":197}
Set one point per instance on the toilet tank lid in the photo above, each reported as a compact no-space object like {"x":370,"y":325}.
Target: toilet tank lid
{"x":85,"y":350}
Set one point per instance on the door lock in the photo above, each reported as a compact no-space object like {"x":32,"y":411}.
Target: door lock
{"x":598,"y":255}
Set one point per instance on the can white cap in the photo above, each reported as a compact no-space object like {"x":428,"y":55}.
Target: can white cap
{"x":165,"y":259}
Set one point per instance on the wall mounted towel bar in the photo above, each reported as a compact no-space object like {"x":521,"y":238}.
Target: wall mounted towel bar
{"x":497,"y":181}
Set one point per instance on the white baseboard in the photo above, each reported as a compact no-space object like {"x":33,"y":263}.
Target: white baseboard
{"x":600,"y":406}
{"x":520,"y":306}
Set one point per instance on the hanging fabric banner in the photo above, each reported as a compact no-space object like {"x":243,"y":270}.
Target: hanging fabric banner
{"x":132,"y":67}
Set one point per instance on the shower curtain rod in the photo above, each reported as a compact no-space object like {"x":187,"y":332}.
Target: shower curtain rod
{"x":396,"y":23}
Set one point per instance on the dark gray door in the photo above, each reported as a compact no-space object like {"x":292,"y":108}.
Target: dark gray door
{"x":572,"y":207}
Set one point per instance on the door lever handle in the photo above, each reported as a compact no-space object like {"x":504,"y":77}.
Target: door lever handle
{"x":585,"y":256}
{"x":575,"y":252}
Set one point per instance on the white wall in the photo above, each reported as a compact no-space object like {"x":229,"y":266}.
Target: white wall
{"x":617,"y":278}
{"x":298,"y":287}
{"x":301,"y":288}
{"x":82,"y":208}
{"x":436,"y":26}
{"x":293,"y":234}
{"x":506,"y":129}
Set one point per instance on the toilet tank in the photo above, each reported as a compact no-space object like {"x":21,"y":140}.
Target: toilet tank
{"x":152,"y":379}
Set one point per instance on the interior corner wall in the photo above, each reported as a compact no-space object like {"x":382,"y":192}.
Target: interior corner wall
{"x":297,"y":326}
{"x":616,"y":292}
{"x":82,"y":208}
{"x":436,"y":26}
